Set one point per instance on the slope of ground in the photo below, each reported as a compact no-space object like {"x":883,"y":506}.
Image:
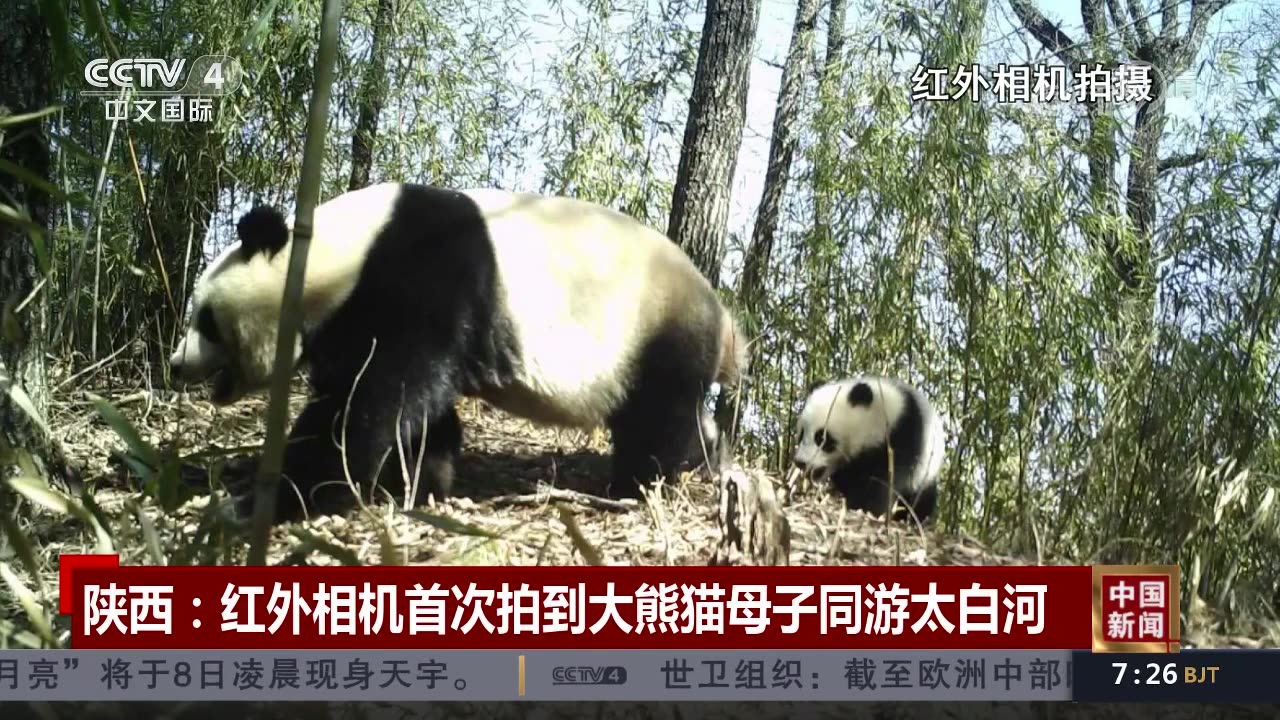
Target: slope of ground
{"x":507,"y":480}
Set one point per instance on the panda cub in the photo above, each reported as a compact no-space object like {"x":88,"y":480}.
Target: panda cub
{"x":844,"y":433}
{"x":556,"y":310}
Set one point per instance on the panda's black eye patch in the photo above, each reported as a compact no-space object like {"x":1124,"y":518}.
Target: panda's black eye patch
{"x":823,"y":440}
{"x":206,"y":326}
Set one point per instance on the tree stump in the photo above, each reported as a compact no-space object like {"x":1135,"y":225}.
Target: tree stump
{"x":753,"y":527}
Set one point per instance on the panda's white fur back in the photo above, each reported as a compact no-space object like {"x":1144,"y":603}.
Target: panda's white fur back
{"x":599,"y":266}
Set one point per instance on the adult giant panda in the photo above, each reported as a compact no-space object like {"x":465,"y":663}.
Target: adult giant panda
{"x":553,"y":309}
{"x":844,"y":433}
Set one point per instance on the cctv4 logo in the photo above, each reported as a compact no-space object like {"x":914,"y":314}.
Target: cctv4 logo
{"x":588,"y":675}
{"x":144,"y":73}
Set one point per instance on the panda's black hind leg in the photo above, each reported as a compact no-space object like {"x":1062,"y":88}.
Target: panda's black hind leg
{"x":922,"y":504}
{"x":658,"y":431}
{"x":433,"y":472}
{"x":652,"y":440}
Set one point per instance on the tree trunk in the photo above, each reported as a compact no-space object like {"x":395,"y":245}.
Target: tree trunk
{"x":782,"y":148}
{"x":821,"y":300}
{"x":25,"y":64}
{"x":713,"y":133}
{"x":827,"y":83}
{"x":1169,"y":54}
{"x":373,"y":94}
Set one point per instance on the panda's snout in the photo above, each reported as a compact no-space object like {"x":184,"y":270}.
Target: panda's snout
{"x":178,"y":370}
{"x":178,"y":365}
{"x":815,"y":472}
{"x":184,"y":368}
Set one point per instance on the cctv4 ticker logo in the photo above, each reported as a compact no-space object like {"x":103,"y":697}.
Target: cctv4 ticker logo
{"x":214,"y":75}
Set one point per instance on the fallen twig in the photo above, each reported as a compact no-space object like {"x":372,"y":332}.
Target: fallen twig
{"x":550,"y":495}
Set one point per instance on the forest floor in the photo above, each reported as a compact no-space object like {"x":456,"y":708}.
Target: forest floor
{"x":502,"y":511}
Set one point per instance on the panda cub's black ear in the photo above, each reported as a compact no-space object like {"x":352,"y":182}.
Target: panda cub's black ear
{"x":814,"y":386}
{"x":860,"y":394}
{"x":262,"y":230}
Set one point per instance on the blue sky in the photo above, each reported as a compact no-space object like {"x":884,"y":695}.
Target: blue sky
{"x":774,"y":34}
{"x":777,"y":17}
{"x":552,"y":28}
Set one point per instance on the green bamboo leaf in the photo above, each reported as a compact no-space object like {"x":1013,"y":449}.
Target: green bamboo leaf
{"x":123,"y":11}
{"x":22,"y":400}
{"x":30,"y":178}
{"x":314,"y":542}
{"x":449,"y":524}
{"x":29,"y":603}
{"x":149,"y":534}
{"x":22,"y":547}
{"x":12,"y":120}
{"x":40,"y":493}
{"x":125,"y":430}
{"x":77,"y":150}
{"x":97,"y":25}
{"x":259,"y":26}
{"x":101,"y":524}
{"x":10,"y":632}
{"x":35,"y":231}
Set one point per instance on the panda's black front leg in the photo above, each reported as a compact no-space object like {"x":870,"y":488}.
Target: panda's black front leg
{"x":398,"y":433}
{"x":340,"y":445}
{"x":310,"y":465}
{"x":922,"y":503}
{"x":862,"y":488}
{"x":313,"y":476}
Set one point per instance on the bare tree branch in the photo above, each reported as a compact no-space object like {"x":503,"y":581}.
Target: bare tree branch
{"x":1182,"y":160}
{"x":1095,"y":23}
{"x":1141,"y":19}
{"x":1185,"y":48}
{"x":1046,"y":31}
{"x":1169,"y":20}
{"x":1127,"y":36}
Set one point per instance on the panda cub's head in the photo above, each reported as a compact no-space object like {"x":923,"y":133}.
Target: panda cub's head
{"x":841,"y":419}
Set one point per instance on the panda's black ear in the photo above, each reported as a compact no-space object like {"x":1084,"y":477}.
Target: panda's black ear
{"x":814,"y":386}
{"x":860,"y":394}
{"x":262,"y":230}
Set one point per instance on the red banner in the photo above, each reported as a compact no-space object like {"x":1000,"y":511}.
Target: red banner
{"x":629,"y":607}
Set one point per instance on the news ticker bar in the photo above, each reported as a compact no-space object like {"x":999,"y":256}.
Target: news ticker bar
{"x":636,"y":675}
